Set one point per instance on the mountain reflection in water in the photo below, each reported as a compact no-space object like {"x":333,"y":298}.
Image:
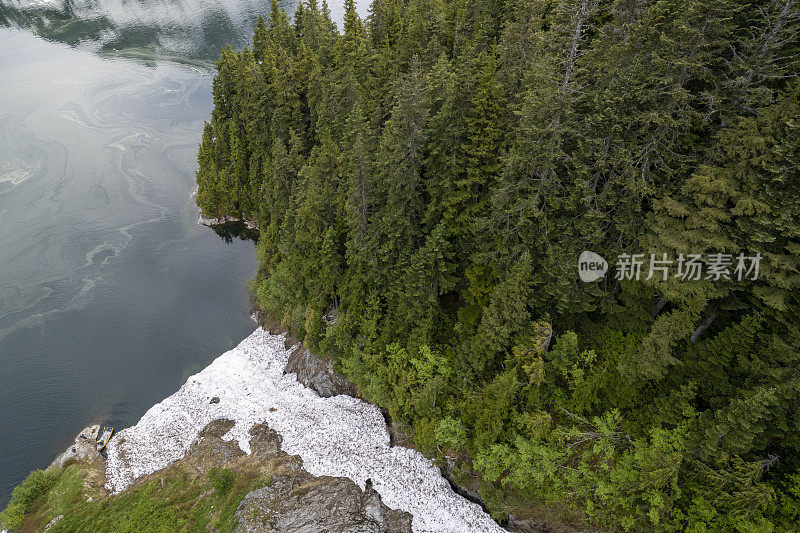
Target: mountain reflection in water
{"x":181,"y":30}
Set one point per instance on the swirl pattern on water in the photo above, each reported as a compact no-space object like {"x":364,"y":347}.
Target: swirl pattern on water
{"x":109,"y":291}
{"x":76,"y":171}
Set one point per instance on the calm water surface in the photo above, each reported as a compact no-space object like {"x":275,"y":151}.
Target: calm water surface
{"x":110,"y":293}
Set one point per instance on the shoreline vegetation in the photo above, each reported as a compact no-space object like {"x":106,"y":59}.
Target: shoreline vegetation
{"x":425,"y":182}
{"x":215,"y":485}
{"x":233,"y":421}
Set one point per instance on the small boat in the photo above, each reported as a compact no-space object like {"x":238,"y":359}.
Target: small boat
{"x":103,"y":439}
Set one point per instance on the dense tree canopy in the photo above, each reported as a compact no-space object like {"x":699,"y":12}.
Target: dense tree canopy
{"x":425,"y":181}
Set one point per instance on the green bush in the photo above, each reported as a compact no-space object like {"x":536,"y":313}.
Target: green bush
{"x":222,"y":480}
{"x":25,"y":497}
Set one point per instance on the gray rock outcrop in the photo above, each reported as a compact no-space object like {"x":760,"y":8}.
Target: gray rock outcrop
{"x":317,"y":373}
{"x":296,"y":502}
{"x":306,"y":504}
{"x":83,"y":449}
{"x":293,"y":501}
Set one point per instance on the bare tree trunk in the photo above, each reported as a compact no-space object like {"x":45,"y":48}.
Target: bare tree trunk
{"x":659,"y":306}
{"x":702,"y":328}
{"x":583,"y":13}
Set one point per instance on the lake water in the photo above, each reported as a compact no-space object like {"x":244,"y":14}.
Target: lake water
{"x":110,"y":293}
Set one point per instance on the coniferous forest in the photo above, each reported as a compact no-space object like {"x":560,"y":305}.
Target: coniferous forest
{"x":425,"y":181}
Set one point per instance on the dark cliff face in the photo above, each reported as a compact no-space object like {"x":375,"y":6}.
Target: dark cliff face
{"x":336,"y":505}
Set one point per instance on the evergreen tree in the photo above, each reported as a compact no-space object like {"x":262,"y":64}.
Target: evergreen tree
{"x":425,"y":181}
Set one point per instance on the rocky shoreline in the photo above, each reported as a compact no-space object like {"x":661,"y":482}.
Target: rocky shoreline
{"x":215,"y":222}
{"x":221,"y":221}
{"x":297,"y":498}
{"x":202,"y":429}
{"x":292,"y":499}
{"x":336,"y":436}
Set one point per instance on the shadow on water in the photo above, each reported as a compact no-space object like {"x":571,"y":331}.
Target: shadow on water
{"x":235,"y":230}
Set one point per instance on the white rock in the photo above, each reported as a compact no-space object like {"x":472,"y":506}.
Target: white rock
{"x":338,"y":436}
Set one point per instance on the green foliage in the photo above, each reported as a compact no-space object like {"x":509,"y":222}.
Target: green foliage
{"x":425,"y":181}
{"x":26,"y":496}
{"x":222,"y":480}
{"x":451,"y":433}
{"x":174,"y":501}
